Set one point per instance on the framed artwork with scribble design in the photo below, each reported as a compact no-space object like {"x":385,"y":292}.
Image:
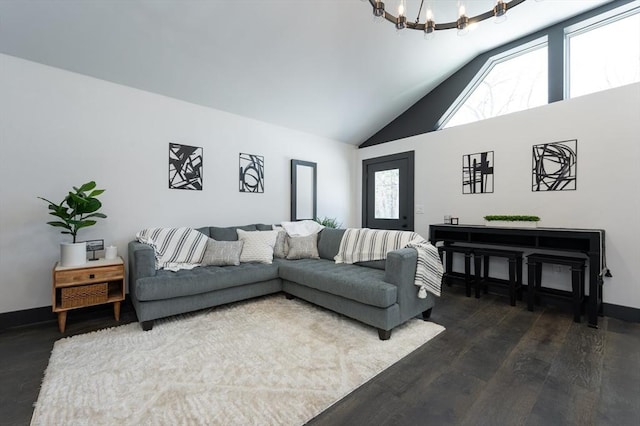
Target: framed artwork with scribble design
{"x":251,"y":173}
{"x":555,"y":166}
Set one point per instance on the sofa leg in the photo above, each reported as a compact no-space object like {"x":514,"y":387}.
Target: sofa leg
{"x":384,"y":334}
{"x":289,"y":296}
{"x":147,"y":325}
{"x":426,"y":314}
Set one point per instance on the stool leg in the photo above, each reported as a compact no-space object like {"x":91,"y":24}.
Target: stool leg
{"x":519,"y":277}
{"x":467,"y":273}
{"x":538,"y":282}
{"x":477,"y":274}
{"x":577,"y":287}
{"x":449,"y":267}
{"x":485,"y":285}
{"x":512,"y":282}
{"x":531,"y":286}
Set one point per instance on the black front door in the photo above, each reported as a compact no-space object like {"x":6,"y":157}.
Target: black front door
{"x":387,"y":192}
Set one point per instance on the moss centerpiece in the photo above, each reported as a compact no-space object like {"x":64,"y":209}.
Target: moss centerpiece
{"x":512,"y":221}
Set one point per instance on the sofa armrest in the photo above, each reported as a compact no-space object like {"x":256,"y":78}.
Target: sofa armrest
{"x":142,"y":263}
{"x":400,"y":269}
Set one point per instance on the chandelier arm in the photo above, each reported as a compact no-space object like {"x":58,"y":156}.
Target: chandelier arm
{"x":448,"y":25}
{"x":419,"y":11}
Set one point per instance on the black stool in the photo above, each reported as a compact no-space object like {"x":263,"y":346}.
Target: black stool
{"x":448,"y":267}
{"x":515,"y":271}
{"x":534,"y":266}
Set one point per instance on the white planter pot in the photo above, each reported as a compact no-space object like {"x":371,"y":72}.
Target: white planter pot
{"x":511,"y":224}
{"x":73,"y":254}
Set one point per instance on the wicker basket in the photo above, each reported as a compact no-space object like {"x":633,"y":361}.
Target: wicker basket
{"x":84,"y":295}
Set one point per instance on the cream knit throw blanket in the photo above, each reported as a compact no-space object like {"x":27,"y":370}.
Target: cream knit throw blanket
{"x":363,"y":244}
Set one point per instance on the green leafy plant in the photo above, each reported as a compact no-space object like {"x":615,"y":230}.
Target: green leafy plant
{"x":77,"y":210}
{"x":512,"y":218}
{"x":328,"y":222}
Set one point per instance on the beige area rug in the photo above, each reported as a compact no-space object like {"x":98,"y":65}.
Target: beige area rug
{"x":267,"y":361}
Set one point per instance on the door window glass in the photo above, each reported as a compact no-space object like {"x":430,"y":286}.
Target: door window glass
{"x":387,"y":197}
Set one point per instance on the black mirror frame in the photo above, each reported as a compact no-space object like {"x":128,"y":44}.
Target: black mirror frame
{"x":294,"y":188}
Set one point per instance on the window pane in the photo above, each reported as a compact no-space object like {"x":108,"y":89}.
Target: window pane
{"x":605,"y":57}
{"x":514,"y":84}
{"x":387,"y":200}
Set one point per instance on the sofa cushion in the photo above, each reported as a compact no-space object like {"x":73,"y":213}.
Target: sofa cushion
{"x":229,"y":233}
{"x":204,"y":230}
{"x":167,"y":284}
{"x":222,"y":253}
{"x":263,"y":227}
{"x":303,"y":247}
{"x":258,"y":245}
{"x":364,"y":285}
{"x":329,"y":242}
{"x":378,"y":264}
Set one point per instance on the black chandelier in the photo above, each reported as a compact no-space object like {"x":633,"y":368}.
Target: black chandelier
{"x":430,"y":26}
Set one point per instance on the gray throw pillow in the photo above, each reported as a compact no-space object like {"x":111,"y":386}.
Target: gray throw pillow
{"x":303,"y":247}
{"x":281,"y":248}
{"x":222,"y":253}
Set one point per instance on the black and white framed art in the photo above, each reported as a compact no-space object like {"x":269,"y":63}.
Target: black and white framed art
{"x":185,"y":167}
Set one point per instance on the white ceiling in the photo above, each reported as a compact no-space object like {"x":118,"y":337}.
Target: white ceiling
{"x":319,"y":66}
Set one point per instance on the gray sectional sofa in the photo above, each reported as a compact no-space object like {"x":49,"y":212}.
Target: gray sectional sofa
{"x":380,"y":293}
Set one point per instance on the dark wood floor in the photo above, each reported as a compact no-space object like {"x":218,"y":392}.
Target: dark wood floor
{"x":494,"y":365}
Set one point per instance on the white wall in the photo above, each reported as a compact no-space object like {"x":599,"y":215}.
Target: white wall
{"x":607,"y":127}
{"x":59,"y":129}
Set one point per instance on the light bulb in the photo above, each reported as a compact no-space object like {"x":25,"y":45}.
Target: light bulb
{"x":429,"y":25}
{"x":429,"y":15}
{"x":378,"y":11}
{"x":462,"y":24}
{"x":500,"y":12}
{"x":401,"y":22}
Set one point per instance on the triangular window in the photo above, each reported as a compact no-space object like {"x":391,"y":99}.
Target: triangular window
{"x":515,"y":81}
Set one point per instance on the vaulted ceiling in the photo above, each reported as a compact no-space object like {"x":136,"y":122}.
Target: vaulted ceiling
{"x":318,"y":66}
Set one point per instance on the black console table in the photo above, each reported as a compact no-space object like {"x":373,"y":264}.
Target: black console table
{"x":588,"y":241}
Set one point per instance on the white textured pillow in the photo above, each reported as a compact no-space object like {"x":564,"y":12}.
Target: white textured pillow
{"x":258,"y":245}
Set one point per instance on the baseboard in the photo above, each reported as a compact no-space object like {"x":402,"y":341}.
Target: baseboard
{"x":623,"y":313}
{"x":44,"y":314}
{"x":26,"y":317}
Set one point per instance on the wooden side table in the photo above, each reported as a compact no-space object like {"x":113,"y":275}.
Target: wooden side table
{"x":94,"y":283}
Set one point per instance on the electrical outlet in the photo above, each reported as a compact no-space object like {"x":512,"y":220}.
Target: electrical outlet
{"x":419,"y":209}
{"x":557,"y":269}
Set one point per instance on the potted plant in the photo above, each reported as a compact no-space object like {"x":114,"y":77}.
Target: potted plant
{"x":512,"y":221}
{"x":328,"y":222}
{"x":77,"y":210}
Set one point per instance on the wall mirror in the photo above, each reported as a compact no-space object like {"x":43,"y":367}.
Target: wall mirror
{"x":303,"y":190}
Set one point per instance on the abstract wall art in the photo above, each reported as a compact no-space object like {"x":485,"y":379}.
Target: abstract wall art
{"x":554,"y":166}
{"x":185,"y":167}
{"x":477,"y":173}
{"x":251,"y":173}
